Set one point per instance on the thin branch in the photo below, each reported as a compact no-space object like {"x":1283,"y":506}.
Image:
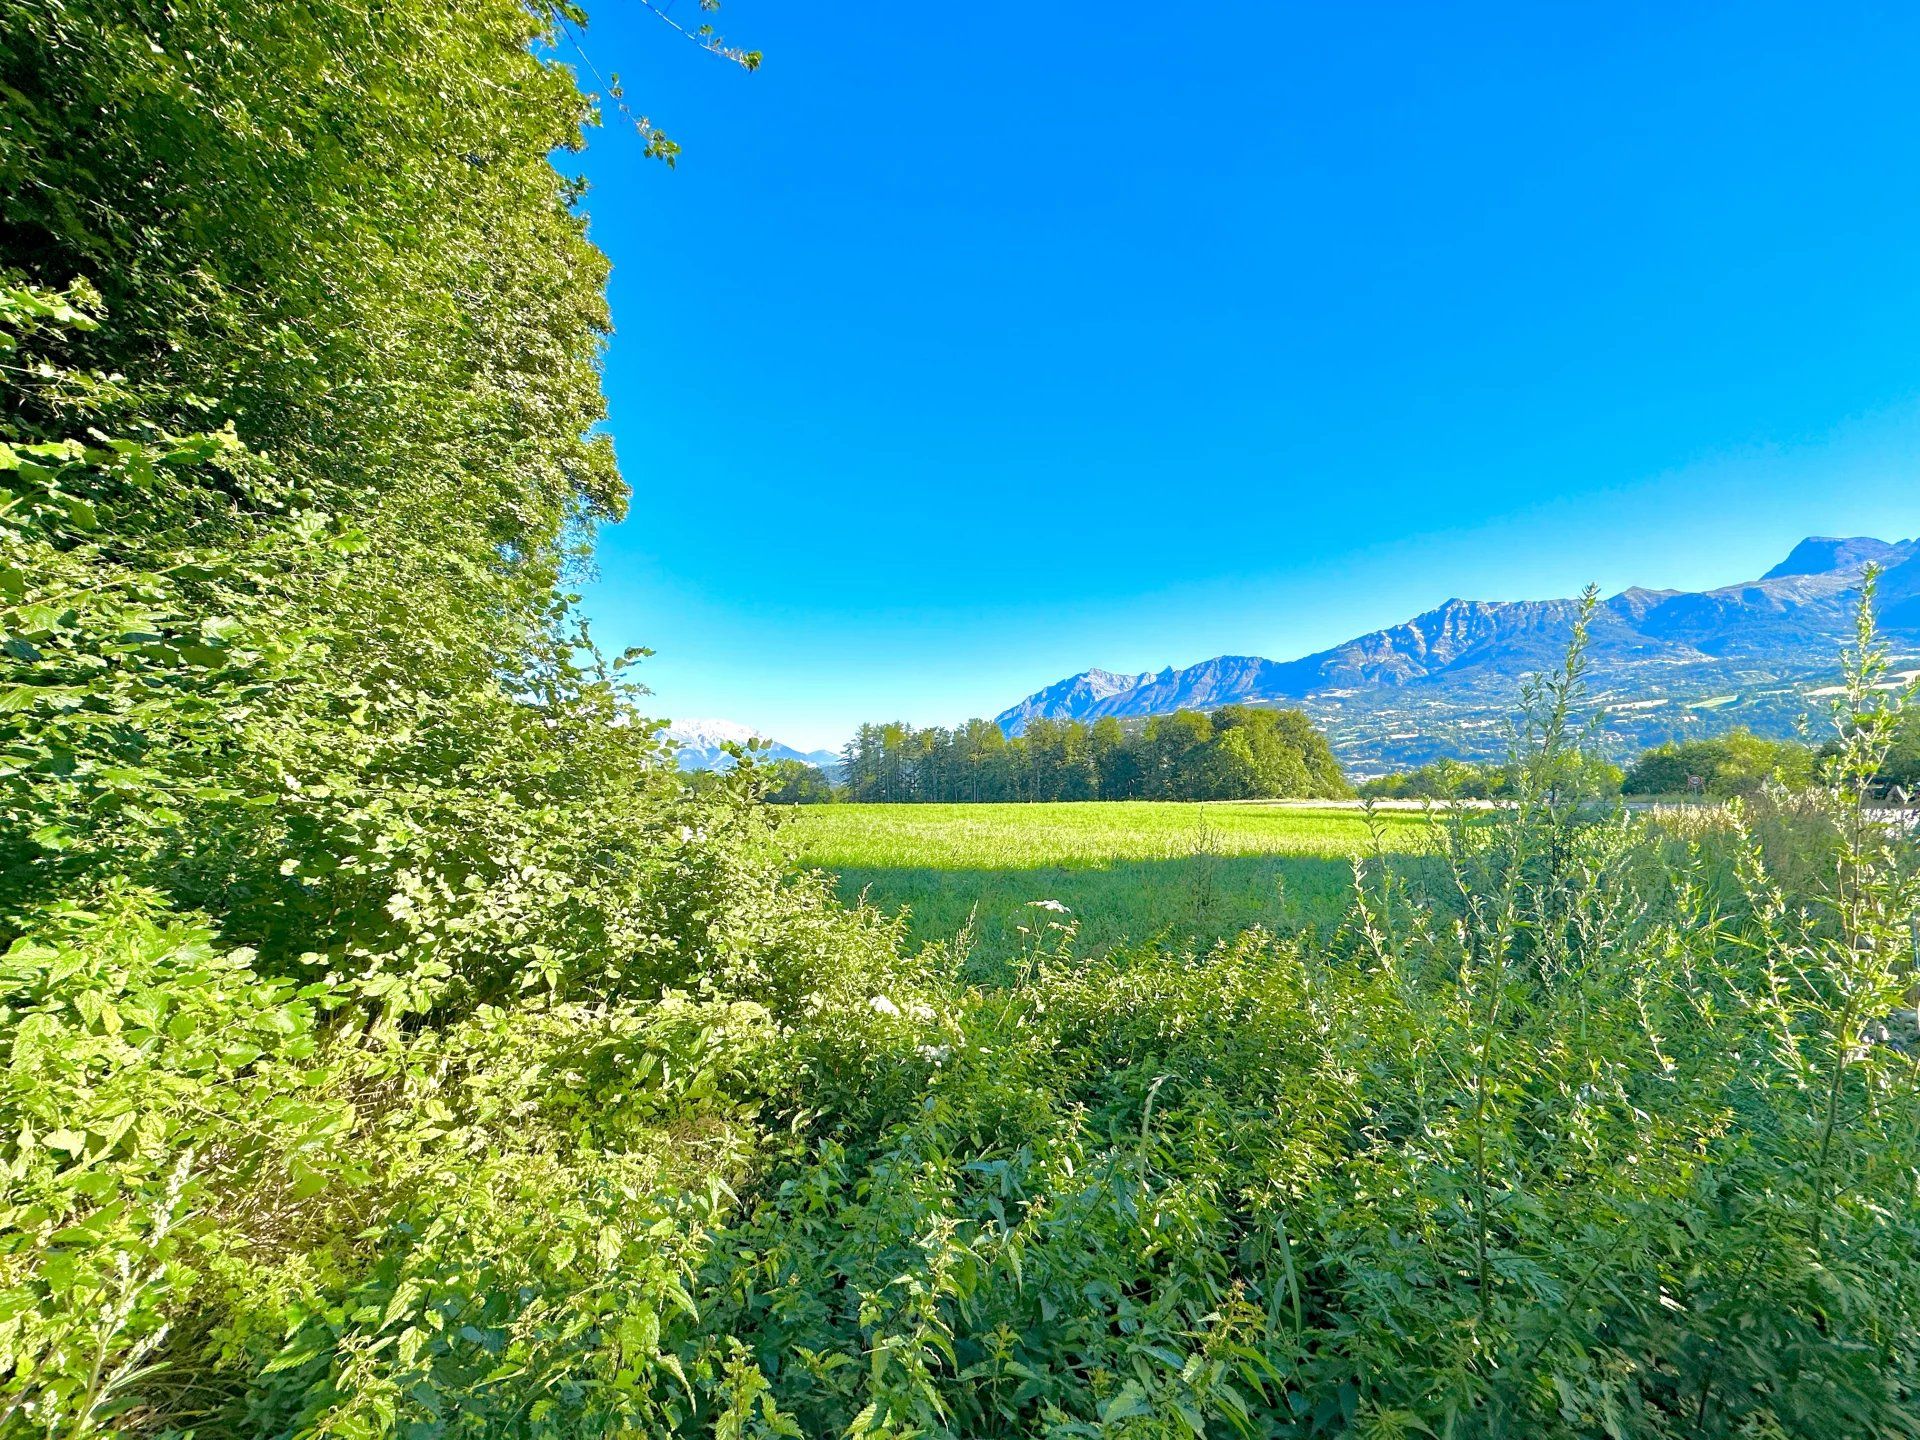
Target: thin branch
{"x":659,"y":147}
{"x":705,"y":38}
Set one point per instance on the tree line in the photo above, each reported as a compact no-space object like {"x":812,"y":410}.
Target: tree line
{"x":1721,"y":767}
{"x":1238,"y":752}
{"x":1244,"y":753}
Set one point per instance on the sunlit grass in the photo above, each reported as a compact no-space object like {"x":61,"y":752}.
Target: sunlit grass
{"x":1128,"y":871}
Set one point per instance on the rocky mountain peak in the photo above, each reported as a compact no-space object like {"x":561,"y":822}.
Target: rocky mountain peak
{"x":1825,"y":554}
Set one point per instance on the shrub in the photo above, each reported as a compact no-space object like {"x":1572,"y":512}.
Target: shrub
{"x":1737,"y":763}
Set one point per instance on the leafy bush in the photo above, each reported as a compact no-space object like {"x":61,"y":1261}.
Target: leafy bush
{"x":1737,"y":763}
{"x":794,"y":782}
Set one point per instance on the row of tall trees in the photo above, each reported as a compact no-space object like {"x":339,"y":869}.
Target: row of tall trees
{"x":1235,"y":753}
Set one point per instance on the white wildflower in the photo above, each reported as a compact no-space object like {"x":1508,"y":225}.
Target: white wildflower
{"x":1053,"y":905}
{"x":934,"y":1054}
{"x":883,"y":1006}
{"x":921,"y":1011}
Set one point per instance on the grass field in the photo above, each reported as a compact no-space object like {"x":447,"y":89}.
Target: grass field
{"x":1127,"y":871}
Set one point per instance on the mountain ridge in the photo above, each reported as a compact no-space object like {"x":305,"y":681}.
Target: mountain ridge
{"x":1451,"y":673}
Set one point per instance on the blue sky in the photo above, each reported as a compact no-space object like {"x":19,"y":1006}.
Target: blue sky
{"x":968,"y":347}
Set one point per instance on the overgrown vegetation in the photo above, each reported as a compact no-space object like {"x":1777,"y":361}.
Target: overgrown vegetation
{"x":345,"y":912}
{"x":395,"y":1047}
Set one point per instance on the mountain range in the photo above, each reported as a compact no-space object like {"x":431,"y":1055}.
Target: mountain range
{"x":1663,"y":663}
{"x":701,"y":745}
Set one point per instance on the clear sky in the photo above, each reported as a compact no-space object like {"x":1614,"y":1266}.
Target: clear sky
{"x":970,"y":346}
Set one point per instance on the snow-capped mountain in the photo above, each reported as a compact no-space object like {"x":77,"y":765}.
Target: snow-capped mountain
{"x":700,"y":745}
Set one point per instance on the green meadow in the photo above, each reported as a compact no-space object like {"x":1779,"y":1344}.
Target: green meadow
{"x":1127,"y":871}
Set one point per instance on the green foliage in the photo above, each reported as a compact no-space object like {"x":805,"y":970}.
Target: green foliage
{"x":1901,"y":769}
{"x":223,"y":1211}
{"x":1585,"y":773}
{"x":794,"y":782}
{"x":1581,"y":772}
{"x":345,"y":895}
{"x":1238,"y":752}
{"x":146,"y":1065}
{"x":1557,"y":1147}
{"x":1438,"y":780}
{"x":1737,"y":763}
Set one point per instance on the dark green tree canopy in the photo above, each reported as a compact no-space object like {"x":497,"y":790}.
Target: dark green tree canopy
{"x":1239,"y":752}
